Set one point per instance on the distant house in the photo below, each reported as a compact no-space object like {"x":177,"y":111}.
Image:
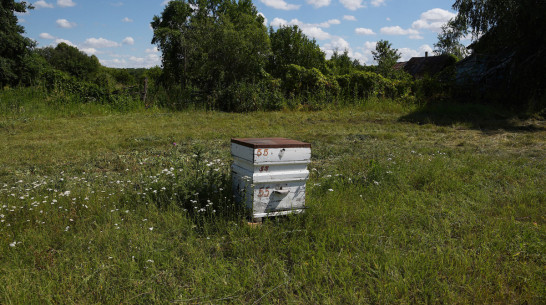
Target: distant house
{"x":418,"y":67}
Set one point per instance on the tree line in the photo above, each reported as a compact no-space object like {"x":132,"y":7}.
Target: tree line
{"x":219,"y":54}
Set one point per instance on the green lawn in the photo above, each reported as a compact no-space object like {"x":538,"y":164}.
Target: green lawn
{"x":405,"y":206}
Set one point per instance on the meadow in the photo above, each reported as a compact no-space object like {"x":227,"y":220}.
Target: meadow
{"x":406,"y":204}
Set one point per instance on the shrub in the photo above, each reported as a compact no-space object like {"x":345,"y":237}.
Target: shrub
{"x":243,"y":97}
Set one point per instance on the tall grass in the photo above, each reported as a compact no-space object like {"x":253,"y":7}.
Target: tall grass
{"x":136,"y":208}
{"x":36,"y":101}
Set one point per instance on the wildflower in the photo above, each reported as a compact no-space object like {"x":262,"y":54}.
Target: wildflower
{"x":151,"y":228}
{"x":375,"y":182}
{"x":331,"y":190}
{"x":150,"y":261}
{"x":13,"y":244}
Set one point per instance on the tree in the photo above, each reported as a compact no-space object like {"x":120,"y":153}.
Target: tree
{"x":449,"y":40}
{"x":507,"y":22}
{"x":342,"y":64}
{"x":71,"y":60}
{"x":290,"y":46}
{"x":513,"y":32}
{"x":211,"y":44}
{"x":14,"y":48}
{"x":386,"y":57}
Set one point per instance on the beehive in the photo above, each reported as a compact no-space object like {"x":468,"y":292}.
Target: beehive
{"x":269,"y":174}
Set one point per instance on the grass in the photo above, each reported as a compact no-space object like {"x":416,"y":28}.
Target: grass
{"x":134,"y":208}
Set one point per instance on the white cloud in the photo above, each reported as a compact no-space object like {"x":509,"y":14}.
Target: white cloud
{"x":364,"y":31}
{"x":377,"y":3}
{"x":352,"y":5}
{"x":338,"y":43}
{"x":42,"y":4}
{"x":100,"y":43}
{"x":281,"y":5}
{"x":341,"y":45}
{"x":370,"y":45}
{"x":114,"y":63}
{"x":278,"y":22}
{"x":388,"y":19}
{"x":128,"y":40}
{"x":46,"y":36}
{"x":433,"y":20}
{"x":65,"y":24}
{"x":89,"y":51}
{"x":127,"y":19}
{"x":349,"y":18}
{"x":318,"y":3}
{"x":65,"y":3}
{"x":316,"y":32}
{"x":59,"y":40}
{"x":152,"y":50}
{"x":309,"y":29}
{"x":117,"y":4}
{"x":407,"y":53}
{"x":265,"y":19}
{"x":397,"y":30}
{"x":129,"y":61}
{"x":366,"y":55}
{"x":416,"y":37}
{"x":165,"y":2}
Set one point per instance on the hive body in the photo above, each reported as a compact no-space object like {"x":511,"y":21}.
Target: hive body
{"x":269,"y":174}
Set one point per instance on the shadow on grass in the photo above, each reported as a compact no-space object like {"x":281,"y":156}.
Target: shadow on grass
{"x":487,"y":118}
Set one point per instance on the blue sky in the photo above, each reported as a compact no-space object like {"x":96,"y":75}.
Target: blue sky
{"x":118,"y":32}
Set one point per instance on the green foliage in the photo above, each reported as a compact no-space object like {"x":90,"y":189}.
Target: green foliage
{"x":133,"y":209}
{"x":64,"y":88}
{"x":514,"y":33}
{"x":58,"y":82}
{"x":245,"y":97}
{"x":32,"y":69}
{"x":14,"y":48}
{"x":105,"y":81}
{"x":309,"y":83}
{"x":71,"y":60}
{"x":210,"y":45}
{"x":365,"y":85}
{"x":290,"y":46}
{"x":122,"y":76}
{"x":386,"y":57}
{"x":511,"y":21}
{"x":340,"y":64}
{"x":449,"y":40}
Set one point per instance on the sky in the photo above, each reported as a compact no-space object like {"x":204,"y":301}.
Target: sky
{"x":118,"y":32}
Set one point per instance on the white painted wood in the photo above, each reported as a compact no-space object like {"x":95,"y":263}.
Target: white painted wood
{"x":270,"y":155}
{"x":270,"y":181}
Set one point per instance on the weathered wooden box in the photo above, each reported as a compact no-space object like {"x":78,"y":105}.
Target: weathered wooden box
{"x":269,"y":174}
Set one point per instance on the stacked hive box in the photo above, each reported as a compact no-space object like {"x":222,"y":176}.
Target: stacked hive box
{"x":269,"y":174}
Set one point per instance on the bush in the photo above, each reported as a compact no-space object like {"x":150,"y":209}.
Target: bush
{"x":309,"y":87}
{"x":243,"y":97}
